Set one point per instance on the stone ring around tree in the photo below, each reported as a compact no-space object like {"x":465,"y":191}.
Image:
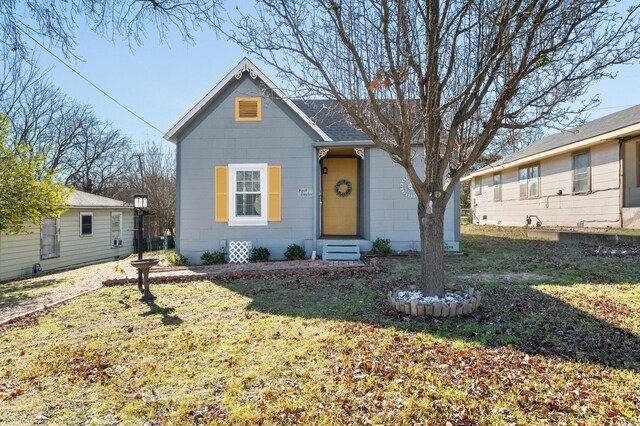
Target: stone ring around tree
{"x":343,"y":188}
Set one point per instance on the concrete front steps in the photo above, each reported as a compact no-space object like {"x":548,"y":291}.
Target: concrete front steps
{"x":341,"y":250}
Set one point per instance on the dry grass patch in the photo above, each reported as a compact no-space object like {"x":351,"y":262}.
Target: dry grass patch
{"x":326,"y":350}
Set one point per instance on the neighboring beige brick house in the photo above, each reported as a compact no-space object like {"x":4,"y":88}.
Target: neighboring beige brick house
{"x":586,"y":177}
{"x":93,"y":229}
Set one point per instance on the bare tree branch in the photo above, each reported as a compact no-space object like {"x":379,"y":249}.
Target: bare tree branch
{"x":444,"y":79}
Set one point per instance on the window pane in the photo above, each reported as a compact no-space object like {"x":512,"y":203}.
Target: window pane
{"x":580,"y":161}
{"x":115,"y":226}
{"x":240,"y":181}
{"x":248,"y":181}
{"x":496,"y":179}
{"x":49,"y":241}
{"x":581,"y":184}
{"x":533,"y":188}
{"x":522,"y":174}
{"x":523,"y":189}
{"x":248,"y":204}
{"x":86,"y":225}
{"x":533,"y":172}
{"x":581,"y":172}
{"x":477,"y":186}
{"x":256,"y":181}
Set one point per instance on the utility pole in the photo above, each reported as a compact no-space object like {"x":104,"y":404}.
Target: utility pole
{"x":139,"y":155}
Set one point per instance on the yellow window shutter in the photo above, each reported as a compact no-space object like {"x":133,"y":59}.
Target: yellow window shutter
{"x":275,"y":194}
{"x":222,"y":194}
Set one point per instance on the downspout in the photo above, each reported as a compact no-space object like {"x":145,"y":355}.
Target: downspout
{"x":176,"y":237}
{"x":314,"y":244}
{"x":621,"y":180}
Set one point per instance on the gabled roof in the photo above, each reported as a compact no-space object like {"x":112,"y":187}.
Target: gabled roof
{"x":236,"y":73}
{"x":326,"y":114}
{"x":612,"y":126}
{"x":84,"y":199}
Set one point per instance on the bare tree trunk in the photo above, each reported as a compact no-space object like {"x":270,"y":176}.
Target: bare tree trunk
{"x":431,"y":216}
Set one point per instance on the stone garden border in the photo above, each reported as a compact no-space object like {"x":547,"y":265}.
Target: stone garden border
{"x":470,"y":304}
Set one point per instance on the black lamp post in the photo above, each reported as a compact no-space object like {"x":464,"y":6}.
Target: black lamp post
{"x":140,"y":204}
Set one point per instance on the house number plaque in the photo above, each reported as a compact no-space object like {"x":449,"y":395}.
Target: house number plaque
{"x":305,"y":192}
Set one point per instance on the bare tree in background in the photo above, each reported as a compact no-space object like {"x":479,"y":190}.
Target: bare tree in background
{"x":100,"y":156}
{"x":433,"y":83}
{"x":57,"y":21}
{"x":87,"y":152}
{"x":158,"y":181}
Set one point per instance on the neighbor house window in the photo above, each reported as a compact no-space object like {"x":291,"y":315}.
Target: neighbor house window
{"x":497,"y":187}
{"x":529,"y":178}
{"x":116,"y":229}
{"x":86,"y":224}
{"x":477,"y":185}
{"x":50,"y":239}
{"x":581,"y":173}
{"x":248,"y":109}
{"x":248,"y":194}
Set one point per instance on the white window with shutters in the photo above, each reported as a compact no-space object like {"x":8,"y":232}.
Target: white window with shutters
{"x":50,"y":239}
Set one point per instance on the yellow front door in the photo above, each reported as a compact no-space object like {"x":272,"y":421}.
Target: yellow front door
{"x":340,"y":196}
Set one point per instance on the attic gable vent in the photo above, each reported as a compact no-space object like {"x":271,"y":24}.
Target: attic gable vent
{"x":248,"y":109}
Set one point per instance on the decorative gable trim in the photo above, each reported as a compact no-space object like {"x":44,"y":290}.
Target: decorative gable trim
{"x":246,"y":68}
{"x":236,"y":73}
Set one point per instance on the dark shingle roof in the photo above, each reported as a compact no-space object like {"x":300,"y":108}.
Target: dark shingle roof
{"x":326,"y":114}
{"x":599,"y":126}
{"x":84,"y":199}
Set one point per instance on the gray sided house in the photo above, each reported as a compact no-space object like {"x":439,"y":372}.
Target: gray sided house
{"x":254,"y":165}
{"x":93,"y":229}
{"x":586,"y":177}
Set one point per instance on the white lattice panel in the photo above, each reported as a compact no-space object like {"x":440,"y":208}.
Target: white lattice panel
{"x":239,"y":251}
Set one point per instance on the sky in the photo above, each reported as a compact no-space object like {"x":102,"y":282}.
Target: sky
{"x":162,"y":82}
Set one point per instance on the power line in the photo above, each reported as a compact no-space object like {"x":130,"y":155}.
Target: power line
{"x":614,"y":107}
{"x":89,"y":81}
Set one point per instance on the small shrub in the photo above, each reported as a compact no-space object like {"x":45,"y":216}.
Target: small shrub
{"x":259,"y":254}
{"x":381,"y":246}
{"x":295,"y":252}
{"x":212,"y":258}
{"x":176,"y":259}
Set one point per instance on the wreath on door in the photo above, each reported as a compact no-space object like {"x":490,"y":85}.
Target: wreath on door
{"x":343,"y":188}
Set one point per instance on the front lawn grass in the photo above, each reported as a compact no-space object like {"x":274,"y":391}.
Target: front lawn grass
{"x":556,"y":342}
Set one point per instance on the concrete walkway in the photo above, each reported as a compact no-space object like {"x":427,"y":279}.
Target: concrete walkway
{"x":22,"y":296}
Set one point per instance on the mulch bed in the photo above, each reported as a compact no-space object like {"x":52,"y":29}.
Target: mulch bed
{"x":356,"y":271}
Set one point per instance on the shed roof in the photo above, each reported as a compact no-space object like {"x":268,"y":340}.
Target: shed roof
{"x":85,"y":199}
